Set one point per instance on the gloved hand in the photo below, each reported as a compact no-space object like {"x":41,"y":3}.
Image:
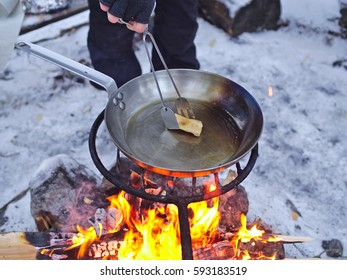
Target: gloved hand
{"x":135,"y":12}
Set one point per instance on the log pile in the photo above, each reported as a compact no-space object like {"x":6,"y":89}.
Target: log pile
{"x":57,"y":246}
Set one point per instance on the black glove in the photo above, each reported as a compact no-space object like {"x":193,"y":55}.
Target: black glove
{"x":136,"y":10}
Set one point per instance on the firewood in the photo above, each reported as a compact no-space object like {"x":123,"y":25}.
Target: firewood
{"x":222,"y":250}
{"x":219,"y":251}
{"x":229,"y":178}
{"x":257,"y":249}
{"x":225,"y":250}
{"x":293,"y":239}
{"x":104,"y":250}
{"x":135,"y":180}
{"x":50,"y":245}
{"x":14,"y":246}
{"x":27,"y":245}
{"x":189,"y":125}
{"x":114,"y":219}
{"x":272,"y":238}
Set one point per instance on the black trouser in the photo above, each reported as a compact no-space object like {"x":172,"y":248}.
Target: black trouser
{"x":175,"y":27}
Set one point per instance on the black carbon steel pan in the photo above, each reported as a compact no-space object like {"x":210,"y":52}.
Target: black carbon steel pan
{"x":232,"y":118}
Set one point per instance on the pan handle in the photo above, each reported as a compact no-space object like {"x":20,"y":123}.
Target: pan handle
{"x":84,"y":71}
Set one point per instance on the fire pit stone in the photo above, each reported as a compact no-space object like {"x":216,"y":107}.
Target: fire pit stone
{"x":63,"y":194}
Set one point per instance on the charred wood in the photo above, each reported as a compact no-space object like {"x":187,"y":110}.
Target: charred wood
{"x":52,"y":245}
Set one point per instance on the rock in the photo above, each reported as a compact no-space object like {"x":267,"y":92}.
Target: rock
{"x":257,"y":15}
{"x":333,"y":248}
{"x":343,"y":18}
{"x":231,"y":205}
{"x":216,"y":13}
{"x":64,"y":194}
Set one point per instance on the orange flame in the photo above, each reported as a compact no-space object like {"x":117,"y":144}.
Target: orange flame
{"x":245,"y":235}
{"x":119,"y":202}
{"x":152,"y":237}
{"x":155,"y":233}
{"x":204,"y":222}
{"x":84,"y":239}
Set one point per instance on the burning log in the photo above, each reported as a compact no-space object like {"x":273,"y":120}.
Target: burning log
{"x":49,"y":245}
{"x":114,"y":219}
{"x":26,"y":245}
{"x":224,"y":250}
{"x":217,"y":251}
{"x":261,"y":250}
{"x":14,"y":246}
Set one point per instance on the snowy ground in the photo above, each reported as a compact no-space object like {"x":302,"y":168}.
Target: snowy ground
{"x":302,"y":166}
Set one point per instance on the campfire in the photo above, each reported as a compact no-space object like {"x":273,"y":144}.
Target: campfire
{"x":133,"y":228}
{"x":123,"y":234}
{"x":79,"y":219}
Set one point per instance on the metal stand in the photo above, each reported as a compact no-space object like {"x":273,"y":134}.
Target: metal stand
{"x":181,"y":203}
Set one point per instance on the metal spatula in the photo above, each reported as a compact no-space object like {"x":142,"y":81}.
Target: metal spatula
{"x":182,"y":104}
{"x":172,"y":120}
{"x":167,"y":114}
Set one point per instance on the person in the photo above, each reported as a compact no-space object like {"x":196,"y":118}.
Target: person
{"x":110,"y":43}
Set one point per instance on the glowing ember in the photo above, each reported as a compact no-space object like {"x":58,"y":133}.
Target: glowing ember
{"x":270,"y":91}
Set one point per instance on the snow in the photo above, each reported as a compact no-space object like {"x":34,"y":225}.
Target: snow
{"x":313,"y":13}
{"x":302,"y":151}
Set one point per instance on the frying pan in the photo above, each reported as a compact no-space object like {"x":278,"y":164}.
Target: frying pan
{"x":232,"y":119}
